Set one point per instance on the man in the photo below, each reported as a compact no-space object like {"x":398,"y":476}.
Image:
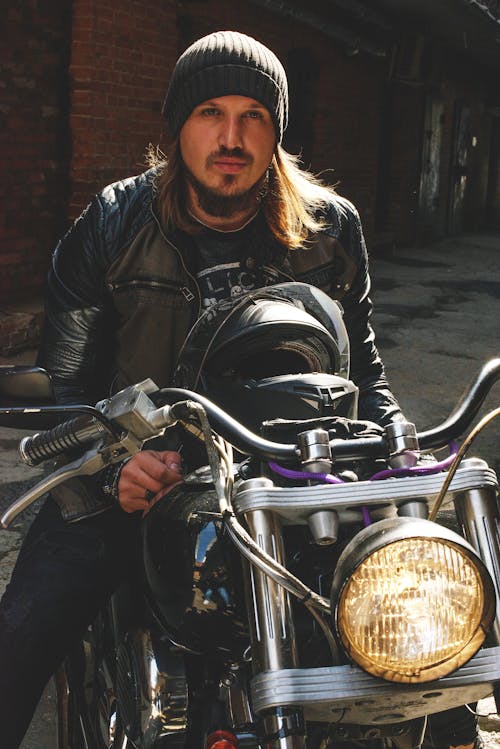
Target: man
{"x":227,"y":211}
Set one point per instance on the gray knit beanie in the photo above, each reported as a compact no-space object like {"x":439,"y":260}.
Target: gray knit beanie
{"x":224,"y":63}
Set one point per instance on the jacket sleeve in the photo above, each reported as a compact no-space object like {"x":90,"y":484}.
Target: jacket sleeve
{"x":376,"y":401}
{"x":73,"y":334}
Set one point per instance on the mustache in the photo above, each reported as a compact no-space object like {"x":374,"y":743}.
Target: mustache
{"x":235,"y":153}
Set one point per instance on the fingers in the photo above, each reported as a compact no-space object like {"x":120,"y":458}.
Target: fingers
{"x":154,"y":467}
{"x":170,"y":458}
{"x":145,"y":475}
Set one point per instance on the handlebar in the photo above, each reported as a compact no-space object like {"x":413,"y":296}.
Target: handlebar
{"x":82,"y":430}
{"x":246,"y":441}
{"x":453,"y":427}
{"x":53,"y":442}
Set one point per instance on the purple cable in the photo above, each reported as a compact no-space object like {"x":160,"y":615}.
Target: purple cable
{"x":287,"y":473}
{"x":418,"y":470}
{"x":367,"y":518}
{"x":328,"y":478}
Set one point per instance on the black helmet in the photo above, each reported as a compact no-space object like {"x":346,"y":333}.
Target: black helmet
{"x":278,"y":352}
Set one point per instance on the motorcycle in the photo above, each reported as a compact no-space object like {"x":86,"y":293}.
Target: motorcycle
{"x":299,"y":589}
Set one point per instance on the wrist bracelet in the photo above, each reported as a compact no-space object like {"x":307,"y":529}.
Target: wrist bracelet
{"x":110,"y":477}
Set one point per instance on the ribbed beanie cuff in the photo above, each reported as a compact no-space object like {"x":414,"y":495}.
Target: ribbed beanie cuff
{"x":226,"y":63}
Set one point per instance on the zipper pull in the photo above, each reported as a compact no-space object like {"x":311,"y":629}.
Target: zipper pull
{"x":187,"y":293}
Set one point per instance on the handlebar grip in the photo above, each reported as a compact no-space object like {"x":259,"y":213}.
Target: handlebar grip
{"x":63,"y":437}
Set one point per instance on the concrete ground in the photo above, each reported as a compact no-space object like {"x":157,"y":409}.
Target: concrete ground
{"x":437,"y":317}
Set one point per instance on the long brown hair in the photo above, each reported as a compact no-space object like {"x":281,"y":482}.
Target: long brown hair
{"x":292,"y":202}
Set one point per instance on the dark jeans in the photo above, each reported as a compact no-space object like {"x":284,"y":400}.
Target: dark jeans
{"x":64,"y":574}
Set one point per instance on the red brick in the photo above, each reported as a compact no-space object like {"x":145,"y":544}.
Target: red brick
{"x":122,"y":53}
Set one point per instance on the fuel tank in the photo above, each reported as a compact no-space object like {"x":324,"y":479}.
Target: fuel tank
{"x":193,"y":573}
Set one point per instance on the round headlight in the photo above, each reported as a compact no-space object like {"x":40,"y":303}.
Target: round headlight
{"x":413,"y":600}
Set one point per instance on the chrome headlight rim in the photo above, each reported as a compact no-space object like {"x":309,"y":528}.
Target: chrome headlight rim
{"x":380,"y":535}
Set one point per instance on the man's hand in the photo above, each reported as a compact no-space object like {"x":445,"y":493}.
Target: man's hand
{"x":147,"y":474}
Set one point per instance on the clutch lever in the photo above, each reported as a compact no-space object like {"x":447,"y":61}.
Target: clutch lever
{"x":130,"y":409}
{"x":88,"y":464}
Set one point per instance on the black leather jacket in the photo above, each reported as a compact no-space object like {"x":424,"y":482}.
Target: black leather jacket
{"x":121,"y":297}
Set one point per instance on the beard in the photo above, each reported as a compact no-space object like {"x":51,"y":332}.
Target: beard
{"x":221,"y":202}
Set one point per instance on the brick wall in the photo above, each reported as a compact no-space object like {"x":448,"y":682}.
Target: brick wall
{"x":401,"y":173}
{"x":33,"y":140}
{"x":347,"y":125}
{"x":83,"y":84}
{"x":121,"y":55}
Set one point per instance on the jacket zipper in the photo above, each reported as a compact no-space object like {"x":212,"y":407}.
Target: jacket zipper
{"x":188,"y":294}
{"x":150,"y":284}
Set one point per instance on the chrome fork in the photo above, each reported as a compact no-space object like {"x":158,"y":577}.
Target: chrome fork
{"x":478,"y":513}
{"x":272,"y":630}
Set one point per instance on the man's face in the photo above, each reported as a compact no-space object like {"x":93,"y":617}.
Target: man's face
{"x":227,"y":144}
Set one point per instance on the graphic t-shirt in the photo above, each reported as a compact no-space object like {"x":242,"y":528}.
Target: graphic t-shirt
{"x":232,"y":263}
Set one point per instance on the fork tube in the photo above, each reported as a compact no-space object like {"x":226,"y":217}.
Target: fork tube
{"x":477,"y":512}
{"x":272,"y":630}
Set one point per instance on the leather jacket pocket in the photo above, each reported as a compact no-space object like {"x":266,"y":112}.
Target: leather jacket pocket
{"x":149,"y":291}
{"x":154,"y":318}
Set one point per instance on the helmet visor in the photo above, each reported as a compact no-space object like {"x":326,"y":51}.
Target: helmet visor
{"x":203,"y":337}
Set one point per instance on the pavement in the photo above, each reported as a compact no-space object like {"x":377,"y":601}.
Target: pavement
{"x":437,"y":317}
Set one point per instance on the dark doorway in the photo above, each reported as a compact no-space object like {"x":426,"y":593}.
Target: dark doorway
{"x":302,"y":71}
{"x":430,"y":183}
{"x":459,"y":172}
{"x":492,"y":208}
